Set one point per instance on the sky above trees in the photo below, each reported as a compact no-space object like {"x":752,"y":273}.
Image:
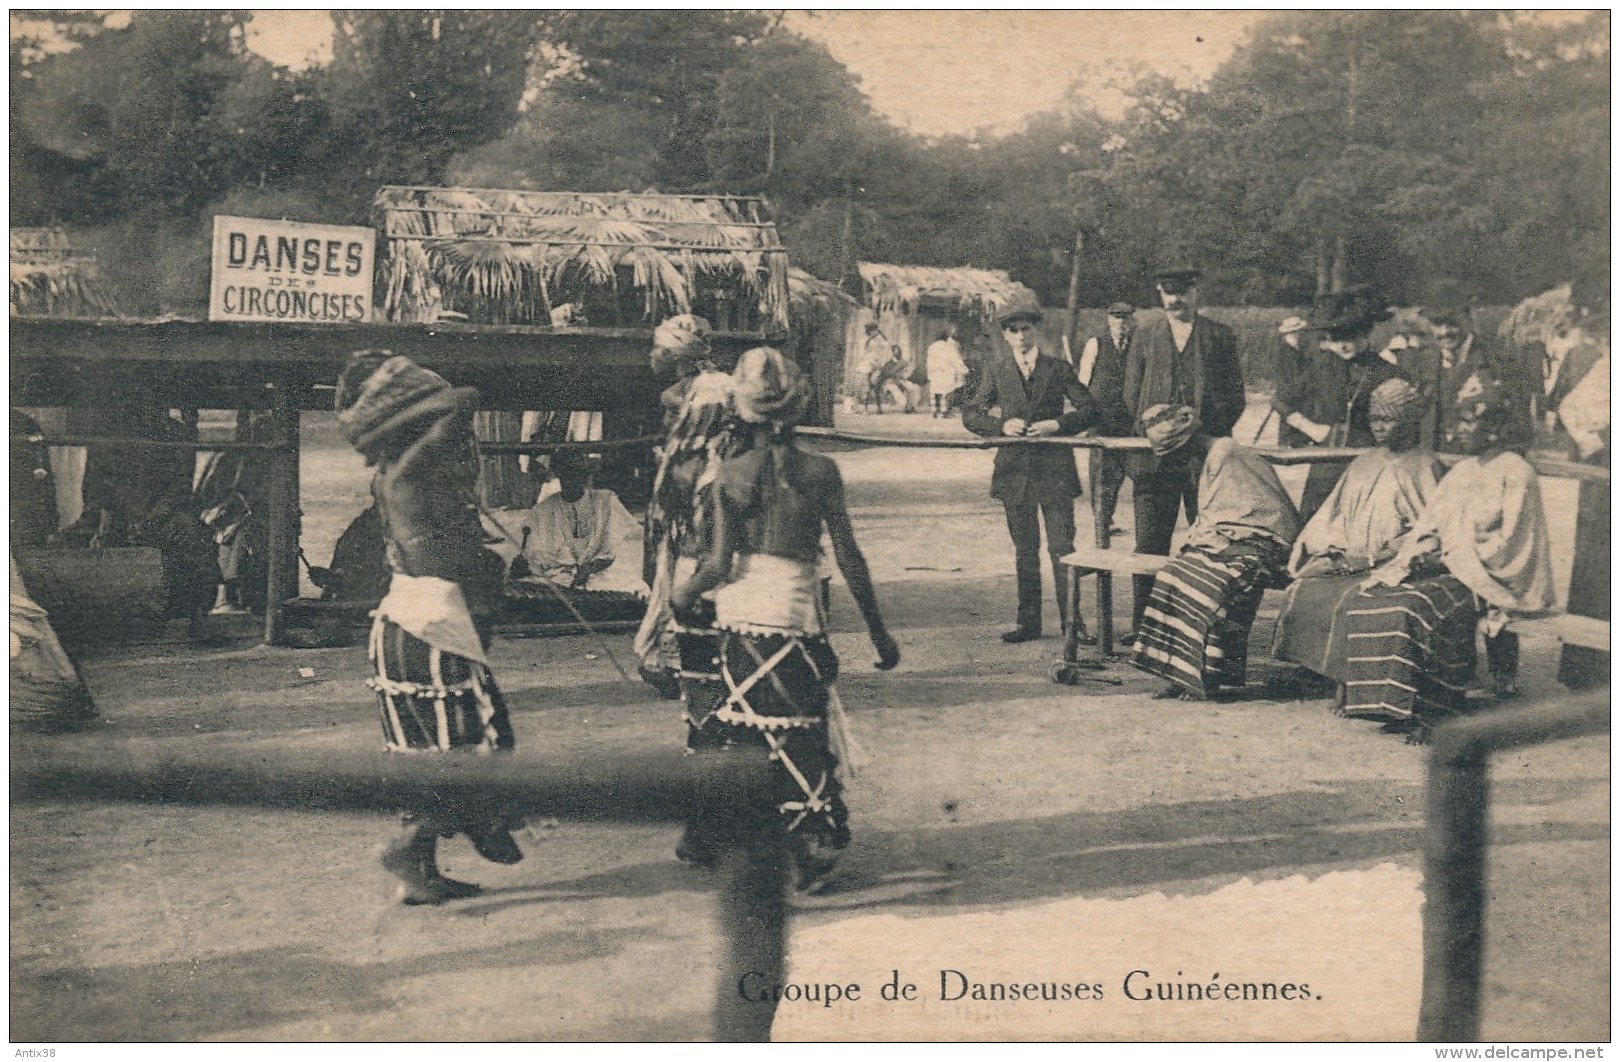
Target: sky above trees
{"x":943,"y":72}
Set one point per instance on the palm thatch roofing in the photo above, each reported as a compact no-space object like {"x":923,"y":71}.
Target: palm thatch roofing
{"x":504,"y":256}
{"x":982,"y":293}
{"x":809,"y":295}
{"x":50,"y":277}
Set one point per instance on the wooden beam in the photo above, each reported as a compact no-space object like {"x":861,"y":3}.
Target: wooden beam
{"x":247,"y":366}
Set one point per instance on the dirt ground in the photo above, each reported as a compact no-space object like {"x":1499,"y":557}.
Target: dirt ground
{"x":1001,"y":819}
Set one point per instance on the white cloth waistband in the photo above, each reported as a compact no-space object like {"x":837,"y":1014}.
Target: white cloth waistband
{"x":769,"y":594}
{"x":434,"y":610}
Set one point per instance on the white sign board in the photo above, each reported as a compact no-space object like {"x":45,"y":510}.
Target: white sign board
{"x":291,"y":271}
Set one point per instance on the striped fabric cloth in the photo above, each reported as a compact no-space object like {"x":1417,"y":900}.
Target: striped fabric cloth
{"x":1411,"y":650}
{"x":1311,"y":626}
{"x":1195,"y":628}
{"x":430,"y":699}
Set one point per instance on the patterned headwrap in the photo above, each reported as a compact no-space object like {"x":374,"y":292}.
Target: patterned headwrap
{"x":685,"y":336}
{"x":385,"y":398}
{"x":1396,"y":399}
{"x":1488,"y":399}
{"x":767,"y":387}
{"x":1168,"y":427}
{"x":703,"y":415}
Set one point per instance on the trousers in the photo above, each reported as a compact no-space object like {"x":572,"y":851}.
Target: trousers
{"x":1025,"y":514}
{"x":1111,"y":476}
{"x":1158,"y":496}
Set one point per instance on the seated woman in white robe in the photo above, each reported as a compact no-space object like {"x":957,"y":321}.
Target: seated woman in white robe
{"x":1476,"y":557}
{"x":1195,"y":627}
{"x":581,"y":536}
{"x":1361,"y":525}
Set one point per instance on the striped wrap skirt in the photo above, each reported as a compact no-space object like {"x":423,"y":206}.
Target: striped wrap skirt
{"x":1195,"y":627}
{"x":1411,"y":650}
{"x":775,"y":702}
{"x":432,"y":700}
{"x":1311,"y":627}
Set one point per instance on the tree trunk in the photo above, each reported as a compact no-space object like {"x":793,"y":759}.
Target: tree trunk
{"x":770,"y":146}
{"x":1071,"y":331}
{"x":1340,"y":265}
{"x":849,"y":226}
{"x":1324,"y":268}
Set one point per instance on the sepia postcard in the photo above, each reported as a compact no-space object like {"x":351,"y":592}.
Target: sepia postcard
{"x":810,"y":526}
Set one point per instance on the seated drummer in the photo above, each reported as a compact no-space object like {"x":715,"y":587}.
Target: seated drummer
{"x":1195,"y":626}
{"x":582,"y":536}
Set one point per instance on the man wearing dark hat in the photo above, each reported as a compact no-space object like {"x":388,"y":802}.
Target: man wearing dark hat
{"x":1021,"y":394}
{"x":1330,"y":401}
{"x":1102,"y":370}
{"x":1457,"y":364}
{"x":1186,"y":359}
{"x":428,"y":643}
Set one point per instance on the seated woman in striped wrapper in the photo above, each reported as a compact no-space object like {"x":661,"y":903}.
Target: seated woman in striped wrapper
{"x":775,"y":660}
{"x":1195,"y":627}
{"x":1476,"y":557}
{"x":1362,"y":524}
{"x":434,"y":689}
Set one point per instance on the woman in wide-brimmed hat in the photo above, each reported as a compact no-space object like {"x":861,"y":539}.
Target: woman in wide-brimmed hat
{"x":778,"y":668}
{"x":1327,"y":403}
{"x":430,"y":671}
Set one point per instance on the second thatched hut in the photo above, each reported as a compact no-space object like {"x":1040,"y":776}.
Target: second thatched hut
{"x":913,"y":304}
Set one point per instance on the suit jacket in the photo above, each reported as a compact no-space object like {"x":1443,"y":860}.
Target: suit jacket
{"x":1207,"y":371}
{"x":1205,"y":374}
{"x":1022,"y":469}
{"x":1338,"y":393}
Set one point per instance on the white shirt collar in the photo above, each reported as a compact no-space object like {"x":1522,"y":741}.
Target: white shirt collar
{"x":1180,"y":330}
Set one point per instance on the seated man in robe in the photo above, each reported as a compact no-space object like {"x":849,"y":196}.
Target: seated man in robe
{"x":1195,"y":626}
{"x":583,"y":537}
{"x":1476,"y":557}
{"x":1361,"y":525}
{"x":359,"y":570}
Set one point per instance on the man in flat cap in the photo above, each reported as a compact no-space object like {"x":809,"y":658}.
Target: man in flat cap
{"x":1185,"y":359}
{"x":1021,"y":394}
{"x":1102,"y":370}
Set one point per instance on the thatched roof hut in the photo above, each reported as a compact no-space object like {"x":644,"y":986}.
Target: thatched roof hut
{"x":617,"y":259}
{"x":912,"y":305}
{"x":970,"y":293}
{"x":819,"y":312}
{"x":50,"y":277}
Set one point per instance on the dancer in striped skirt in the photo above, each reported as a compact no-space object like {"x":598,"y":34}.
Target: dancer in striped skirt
{"x":434,"y":689}
{"x":1195,"y":626}
{"x":775,"y":661}
{"x":1477,"y":557}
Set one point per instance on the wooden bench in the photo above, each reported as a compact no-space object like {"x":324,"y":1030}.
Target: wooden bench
{"x":1570,"y":629}
{"x":1102,"y":563}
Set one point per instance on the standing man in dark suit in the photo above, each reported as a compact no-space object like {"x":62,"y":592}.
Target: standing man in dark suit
{"x":1102,"y":370}
{"x":1021,"y":395}
{"x":1185,"y":359}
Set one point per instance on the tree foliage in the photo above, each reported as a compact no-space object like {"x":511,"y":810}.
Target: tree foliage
{"x":1397,"y":148}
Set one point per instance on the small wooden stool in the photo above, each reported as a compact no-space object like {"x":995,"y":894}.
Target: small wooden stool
{"x":1102,"y":563}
